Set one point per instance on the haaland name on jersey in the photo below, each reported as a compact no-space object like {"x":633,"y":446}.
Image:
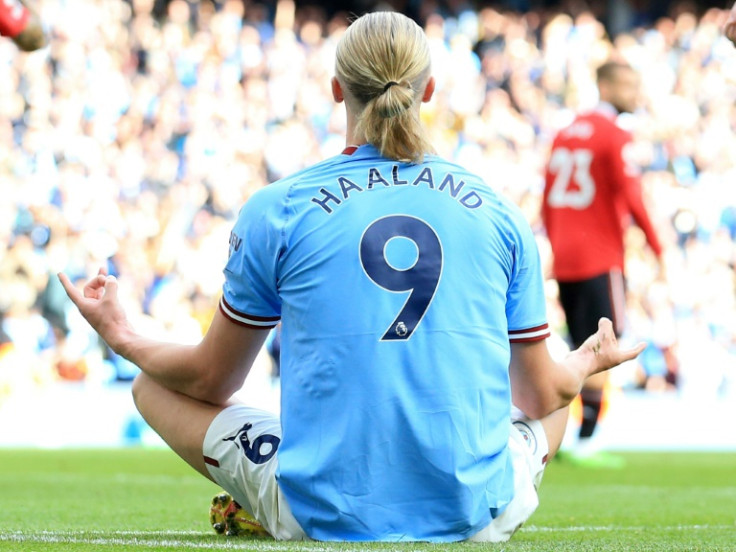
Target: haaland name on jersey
{"x":329,"y":200}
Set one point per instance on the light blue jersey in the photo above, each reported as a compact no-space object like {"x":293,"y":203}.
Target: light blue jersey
{"x":399,"y":288}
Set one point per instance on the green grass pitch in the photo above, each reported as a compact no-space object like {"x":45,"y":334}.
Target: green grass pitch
{"x":148,"y":499}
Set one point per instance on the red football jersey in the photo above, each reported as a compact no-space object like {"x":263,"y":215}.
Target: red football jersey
{"x":590,"y":192}
{"x":13,"y":18}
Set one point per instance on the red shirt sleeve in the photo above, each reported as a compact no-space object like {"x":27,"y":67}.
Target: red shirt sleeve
{"x":626,"y":172}
{"x":13,"y":18}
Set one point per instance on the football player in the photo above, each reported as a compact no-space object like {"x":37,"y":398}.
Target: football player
{"x":413,"y":311}
{"x":592,"y":187}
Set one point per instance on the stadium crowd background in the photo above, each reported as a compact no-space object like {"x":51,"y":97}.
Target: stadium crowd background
{"x":133,"y":139}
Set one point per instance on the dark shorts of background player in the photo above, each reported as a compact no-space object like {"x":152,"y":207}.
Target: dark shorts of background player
{"x":586,"y":301}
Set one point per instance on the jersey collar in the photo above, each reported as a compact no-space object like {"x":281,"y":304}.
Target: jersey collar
{"x":362,"y":150}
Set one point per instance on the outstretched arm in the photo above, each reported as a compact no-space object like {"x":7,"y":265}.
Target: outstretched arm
{"x":540,"y":385}
{"x":210,"y":371}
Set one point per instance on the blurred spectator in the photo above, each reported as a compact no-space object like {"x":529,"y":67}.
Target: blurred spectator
{"x":21,"y":24}
{"x":134,"y":138}
{"x":730,"y":28}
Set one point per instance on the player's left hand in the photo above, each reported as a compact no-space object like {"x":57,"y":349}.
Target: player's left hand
{"x":98,"y":303}
{"x":729,"y":28}
{"x":604,"y":346}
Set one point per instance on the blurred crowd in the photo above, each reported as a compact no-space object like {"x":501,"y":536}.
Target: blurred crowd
{"x":132,"y":141}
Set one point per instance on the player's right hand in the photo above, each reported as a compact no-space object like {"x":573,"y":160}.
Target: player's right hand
{"x":98,"y":303}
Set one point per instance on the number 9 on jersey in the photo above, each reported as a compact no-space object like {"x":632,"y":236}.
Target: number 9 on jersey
{"x":420,"y":280}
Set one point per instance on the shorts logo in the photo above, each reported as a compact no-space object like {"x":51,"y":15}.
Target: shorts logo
{"x":528,"y":435}
{"x":252,"y":450}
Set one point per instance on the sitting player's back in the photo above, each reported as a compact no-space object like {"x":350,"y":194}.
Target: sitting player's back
{"x":392,"y":282}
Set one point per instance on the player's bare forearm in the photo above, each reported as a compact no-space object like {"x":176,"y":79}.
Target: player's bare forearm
{"x":182,"y":368}
{"x":540,"y":385}
{"x":210,"y":371}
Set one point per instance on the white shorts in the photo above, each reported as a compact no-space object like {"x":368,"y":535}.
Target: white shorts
{"x":529,"y":452}
{"x":240,"y":451}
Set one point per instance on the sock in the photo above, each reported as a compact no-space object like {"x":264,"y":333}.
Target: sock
{"x":591,"y":399}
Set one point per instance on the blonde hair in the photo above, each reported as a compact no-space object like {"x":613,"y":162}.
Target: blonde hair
{"x":383,"y":60}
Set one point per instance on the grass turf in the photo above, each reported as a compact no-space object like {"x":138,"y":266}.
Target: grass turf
{"x":148,"y":499}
